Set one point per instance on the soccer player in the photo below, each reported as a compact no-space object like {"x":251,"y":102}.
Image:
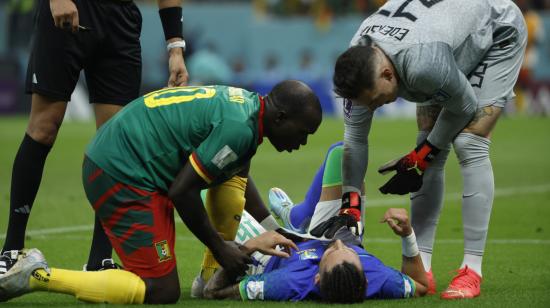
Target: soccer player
{"x":332,"y":271}
{"x":158,"y":154}
{"x":459,"y":60}
{"x":337,"y":271}
{"x":101,"y":37}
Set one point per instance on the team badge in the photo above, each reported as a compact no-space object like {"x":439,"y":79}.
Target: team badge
{"x":441,"y":96}
{"x":308,"y":254}
{"x":163,"y":251}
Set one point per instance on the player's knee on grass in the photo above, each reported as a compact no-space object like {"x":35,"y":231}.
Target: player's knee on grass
{"x":163,"y":290}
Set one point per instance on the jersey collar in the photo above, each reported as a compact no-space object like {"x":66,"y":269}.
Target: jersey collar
{"x":261,"y":121}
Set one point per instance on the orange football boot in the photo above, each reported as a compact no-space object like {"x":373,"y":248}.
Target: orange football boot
{"x":466,"y":284}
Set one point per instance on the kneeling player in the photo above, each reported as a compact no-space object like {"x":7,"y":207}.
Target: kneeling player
{"x":337,"y":271}
{"x":154,"y":157}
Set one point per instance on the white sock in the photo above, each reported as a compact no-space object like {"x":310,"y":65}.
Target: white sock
{"x":473,"y":262}
{"x":426,"y":260}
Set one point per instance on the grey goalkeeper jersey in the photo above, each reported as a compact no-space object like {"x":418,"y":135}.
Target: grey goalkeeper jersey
{"x":434,"y":45}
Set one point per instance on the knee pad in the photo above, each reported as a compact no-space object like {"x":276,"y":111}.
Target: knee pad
{"x":471,"y":150}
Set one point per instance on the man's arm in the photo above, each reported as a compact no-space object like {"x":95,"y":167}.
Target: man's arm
{"x":358,"y":121}
{"x":222,"y":285}
{"x":355,"y":157}
{"x":438,"y":75}
{"x":185,"y":193}
{"x":170,"y":12}
{"x":411,"y":266}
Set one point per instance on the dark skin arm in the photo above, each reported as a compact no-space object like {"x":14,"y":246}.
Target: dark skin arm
{"x":255,"y":206}
{"x":185,"y":194}
{"x":222,"y":285}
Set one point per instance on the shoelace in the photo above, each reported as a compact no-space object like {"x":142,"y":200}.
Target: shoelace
{"x":463,"y":280}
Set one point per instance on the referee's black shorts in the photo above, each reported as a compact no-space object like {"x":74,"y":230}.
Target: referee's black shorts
{"x":108,"y":50}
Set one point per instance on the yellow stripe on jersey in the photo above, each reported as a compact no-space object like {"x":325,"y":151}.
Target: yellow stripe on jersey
{"x":199,"y":168}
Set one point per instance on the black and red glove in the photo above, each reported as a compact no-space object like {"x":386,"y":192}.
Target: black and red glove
{"x":409,"y":170}
{"x":348,"y":217}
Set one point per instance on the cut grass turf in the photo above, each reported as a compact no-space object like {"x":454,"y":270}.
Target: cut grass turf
{"x":516,"y":271}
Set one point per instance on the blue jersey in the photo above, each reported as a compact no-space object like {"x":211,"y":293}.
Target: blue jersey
{"x":293,"y":278}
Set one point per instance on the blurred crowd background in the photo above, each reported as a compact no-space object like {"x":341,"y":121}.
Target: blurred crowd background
{"x":255,"y":44}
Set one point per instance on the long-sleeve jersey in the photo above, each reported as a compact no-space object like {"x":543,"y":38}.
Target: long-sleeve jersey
{"x":433,"y":45}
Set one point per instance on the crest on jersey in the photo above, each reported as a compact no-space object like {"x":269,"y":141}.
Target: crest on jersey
{"x":440,"y":96}
{"x":163,"y":251}
{"x":308,"y":254}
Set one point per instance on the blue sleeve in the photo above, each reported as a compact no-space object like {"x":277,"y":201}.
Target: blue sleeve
{"x":397,"y":285}
{"x":276,"y":285}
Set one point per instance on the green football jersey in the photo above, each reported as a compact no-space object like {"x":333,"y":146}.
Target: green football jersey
{"x":216,"y":128}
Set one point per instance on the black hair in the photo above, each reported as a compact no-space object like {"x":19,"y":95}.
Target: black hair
{"x":294,"y":97}
{"x":345,"y":283}
{"x":355,"y":69}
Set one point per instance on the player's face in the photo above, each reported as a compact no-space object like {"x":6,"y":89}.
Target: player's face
{"x":383,"y":92}
{"x":290,"y":134}
{"x":337,"y":253}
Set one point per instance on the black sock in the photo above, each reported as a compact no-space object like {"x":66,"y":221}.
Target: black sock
{"x":25,"y":180}
{"x":101,"y":248}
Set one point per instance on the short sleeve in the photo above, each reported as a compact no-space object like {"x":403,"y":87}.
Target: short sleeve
{"x":224,"y":152}
{"x":276,"y":285}
{"x":397,"y":285}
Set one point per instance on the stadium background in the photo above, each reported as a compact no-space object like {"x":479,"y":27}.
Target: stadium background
{"x":255,"y":44}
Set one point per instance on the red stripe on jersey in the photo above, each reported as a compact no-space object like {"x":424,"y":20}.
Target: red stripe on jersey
{"x":202,"y":170}
{"x":261,"y":121}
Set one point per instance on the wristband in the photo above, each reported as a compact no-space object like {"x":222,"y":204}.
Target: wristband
{"x":351,"y":205}
{"x":172,"y":22}
{"x":269,"y":223}
{"x":426,"y":151}
{"x":409,"y":246}
{"x":176,"y":44}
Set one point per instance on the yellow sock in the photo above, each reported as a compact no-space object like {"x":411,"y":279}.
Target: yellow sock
{"x":110,"y":286}
{"x":224,"y":205}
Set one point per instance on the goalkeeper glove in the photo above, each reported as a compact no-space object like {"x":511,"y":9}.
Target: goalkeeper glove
{"x":409,"y":170}
{"x":348,"y":217}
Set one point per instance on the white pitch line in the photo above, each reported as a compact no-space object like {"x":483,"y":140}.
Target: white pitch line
{"x":457,"y":196}
{"x":502,"y":192}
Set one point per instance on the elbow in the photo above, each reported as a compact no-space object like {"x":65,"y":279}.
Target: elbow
{"x":174,"y":194}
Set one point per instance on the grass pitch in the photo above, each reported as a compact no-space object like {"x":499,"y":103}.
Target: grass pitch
{"x":517,"y":260}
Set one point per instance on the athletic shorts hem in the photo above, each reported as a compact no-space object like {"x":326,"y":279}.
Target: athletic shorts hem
{"x":148,"y":273}
{"x":52,"y":95}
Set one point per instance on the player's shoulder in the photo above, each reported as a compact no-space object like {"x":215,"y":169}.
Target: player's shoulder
{"x":425,"y":65}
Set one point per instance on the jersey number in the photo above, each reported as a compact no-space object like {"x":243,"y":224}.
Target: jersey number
{"x":401,"y":10}
{"x":177,"y":95}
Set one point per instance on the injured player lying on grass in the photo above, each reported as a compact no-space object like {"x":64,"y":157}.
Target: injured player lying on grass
{"x":340,"y":270}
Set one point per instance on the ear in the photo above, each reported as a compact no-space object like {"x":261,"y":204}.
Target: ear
{"x":387,"y":74}
{"x":317,"y":278}
{"x":281,"y":116}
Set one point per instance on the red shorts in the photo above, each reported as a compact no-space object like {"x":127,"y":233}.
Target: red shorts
{"x":139,"y":223}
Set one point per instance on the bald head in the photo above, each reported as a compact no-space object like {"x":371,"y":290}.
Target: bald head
{"x":295,"y":97}
{"x":292,"y":112}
